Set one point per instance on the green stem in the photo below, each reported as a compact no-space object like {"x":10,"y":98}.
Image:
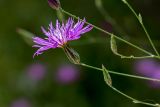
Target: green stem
{"x":144,"y":57}
{"x":144,"y":28}
{"x":118,"y":91}
{"x":98,"y":28}
{"x":136,"y":57}
{"x":133,"y":99}
{"x":122,"y":74}
{"x":108,"y":18}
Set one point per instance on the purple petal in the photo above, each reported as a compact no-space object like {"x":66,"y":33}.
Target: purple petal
{"x":51,"y":28}
{"x":44,"y":31}
{"x":40,"y":50}
{"x":36,"y":46}
{"x":86,"y":29}
{"x":57,"y":25}
{"x":41,"y":41}
{"x":79,"y":25}
{"x":59,"y":35}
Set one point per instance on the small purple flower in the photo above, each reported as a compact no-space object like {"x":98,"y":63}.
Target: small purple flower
{"x":149,"y":68}
{"x":57,"y":37}
{"x":145,"y":67}
{"x":156,"y":75}
{"x":21,"y":103}
{"x":67,"y":74}
{"x":36,"y":71}
{"x":55,"y":4}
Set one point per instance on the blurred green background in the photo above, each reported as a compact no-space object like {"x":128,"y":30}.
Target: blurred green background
{"x":87,"y":89}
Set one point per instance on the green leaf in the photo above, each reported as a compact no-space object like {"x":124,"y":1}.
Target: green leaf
{"x":26,"y":35}
{"x":114,"y":48}
{"x":107,"y":77}
{"x":72,"y":55}
{"x":114,"y":45}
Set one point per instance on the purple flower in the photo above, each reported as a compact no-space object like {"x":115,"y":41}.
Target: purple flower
{"x":67,"y":74}
{"x":145,"y":67}
{"x":55,"y":4}
{"x":156,"y":75}
{"x":149,"y":68}
{"x":57,"y":37}
{"x":36,"y":71}
{"x":21,"y":103}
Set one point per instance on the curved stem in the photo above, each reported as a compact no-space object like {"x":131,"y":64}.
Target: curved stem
{"x":144,"y":57}
{"x":136,"y":57}
{"x":141,"y":22}
{"x":133,"y":99}
{"x":98,"y":28}
{"x":121,"y":74}
{"x":108,"y":18}
{"x":120,"y":92}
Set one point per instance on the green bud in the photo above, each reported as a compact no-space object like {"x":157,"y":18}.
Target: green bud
{"x":107,"y":77}
{"x":72,"y":55}
{"x":55,"y":4}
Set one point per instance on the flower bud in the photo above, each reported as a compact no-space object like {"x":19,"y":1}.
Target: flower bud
{"x":55,"y":4}
{"x":72,"y":55}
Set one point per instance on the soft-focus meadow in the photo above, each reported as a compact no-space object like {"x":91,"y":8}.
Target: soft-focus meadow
{"x":50,"y":80}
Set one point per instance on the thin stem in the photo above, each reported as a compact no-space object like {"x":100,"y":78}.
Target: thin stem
{"x":136,"y":57}
{"x":129,"y":43}
{"x":141,"y":57}
{"x":89,"y":66}
{"x":107,"y":17}
{"x":118,"y":91}
{"x":122,"y":74}
{"x":133,"y":99}
{"x":141,"y":22}
{"x":98,"y":28}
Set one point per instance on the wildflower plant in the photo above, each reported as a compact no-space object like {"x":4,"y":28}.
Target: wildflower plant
{"x":59,"y":35}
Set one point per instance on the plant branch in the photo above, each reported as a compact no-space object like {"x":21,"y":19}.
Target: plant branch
{"x":139,"y":17}
{"x":98,"y":28}
{"x":120,"y":92}
{"x":133,"y":99}
{"x":121,"y":74}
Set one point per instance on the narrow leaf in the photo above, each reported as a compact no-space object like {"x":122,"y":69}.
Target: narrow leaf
{"x":113,"y":45}
{"x":114,"y":48}
{"x":107,"y":77}
{"x":26,"y":35}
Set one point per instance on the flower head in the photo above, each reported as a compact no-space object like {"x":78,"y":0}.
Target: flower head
{"x":55,"y":4}
{"x":156,"y":75}
{"x":36,"y":71}
{"x":149,"y":68}
{"x":21,"y":103}
{"x":145,"y":67}
{"x":57,"y":37}
{"x":67,"y":74}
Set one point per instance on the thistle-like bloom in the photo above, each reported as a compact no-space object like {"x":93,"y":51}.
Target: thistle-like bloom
{"x":57,"y":37}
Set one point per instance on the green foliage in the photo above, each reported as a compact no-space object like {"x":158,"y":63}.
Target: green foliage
{"x":107,"y":76}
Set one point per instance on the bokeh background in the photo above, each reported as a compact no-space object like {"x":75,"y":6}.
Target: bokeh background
{"x":50,"y":80}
